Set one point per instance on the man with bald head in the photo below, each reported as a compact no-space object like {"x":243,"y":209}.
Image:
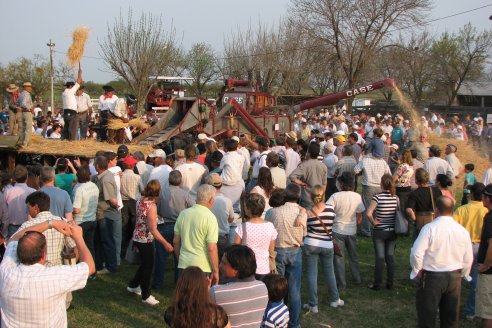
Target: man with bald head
{"x":41,"y":298}
{"x":440,"y":256}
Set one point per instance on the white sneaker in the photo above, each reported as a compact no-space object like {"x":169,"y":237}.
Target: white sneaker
{"x":137,"y":290}
{"x":103,"y":271}
{"x":151,"y":300}
{"x":313,"y":309}
{"x":337,"y":303}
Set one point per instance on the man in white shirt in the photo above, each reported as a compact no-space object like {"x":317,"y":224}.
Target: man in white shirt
{"x":84,"y":107}
{"x":436,"y":165}
{"x":453,"y":161}
{"x":232,"y":173}
{"x":41,"y":300}
{"x":440,"y":256}
{"x":292,"y":158}
{"x":69,"y":101}
{"x":278,"y":174}
{"x":192,"y":172}
{"x":161,"y":170}
{"x":260,"y":160}
{"x":246,"y":156}
{"x":107,"y":102}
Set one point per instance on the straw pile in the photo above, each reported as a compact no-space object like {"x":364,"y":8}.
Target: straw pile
{"x":76,"y":50}
{"x":84,"y":148}
{"x":119,"y":124}
{"x":466,"y":154}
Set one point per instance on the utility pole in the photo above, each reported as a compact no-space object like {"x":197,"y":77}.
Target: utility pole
{"x":51,"y":45}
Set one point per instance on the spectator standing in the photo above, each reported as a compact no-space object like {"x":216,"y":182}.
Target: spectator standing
{"x":172,"y":201}
{"x":64,"y":180}
{"x":161,"y":170}
{"x":381,"y":212}
{"x":245,"y":298}
{"x":311,"y":172}
{"x":192,"y":172}
{"x":290,"y":222}
{"x":264,"y":187}
{"x":131,"y":189}
{"x":471,"y":217}
{"x":259,"y":161}
{"x":143,"y":239}
{"x":470,"y":180}
{"x":23,"y":265}
{"x":292,"y":158}
{"x":15,"y":201}
{"x":484,"y":260}
{"x":319,"y":244}
{"x":436,"y":165}
{"x":196,"y":233}
{"x":279,"y":177}
{"x":232,"y":173}
{"x":143,"y":168}
{"x":15,"y":113}
{"x":422,"y":146}
{"x":440,"y":257}
{"x":372,"y":170}
{"x":348,"y":208}
{"x":403,"y":176}
{"x":330,"y":161}
{"x":260,"y":234}
{"x":453,"y":161}
{"x":84,"y":206}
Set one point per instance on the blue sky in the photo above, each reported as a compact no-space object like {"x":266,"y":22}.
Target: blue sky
{"x":27,"y":26}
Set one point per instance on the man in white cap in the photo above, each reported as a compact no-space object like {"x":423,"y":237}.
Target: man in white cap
{"x":161,"y":170}
{"x":15,"y":114}
{"x":69,"y":101}
{"x":24,"y":102}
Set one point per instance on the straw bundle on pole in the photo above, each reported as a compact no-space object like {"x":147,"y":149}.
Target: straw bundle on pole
{"x":76,"y":50}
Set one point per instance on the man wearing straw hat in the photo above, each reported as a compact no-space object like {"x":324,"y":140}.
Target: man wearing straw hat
{"x":26,"y":106}
{"x":69,"y":101}
{"x":15,"y":114}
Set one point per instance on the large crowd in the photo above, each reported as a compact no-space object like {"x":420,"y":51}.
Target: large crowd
{"x":244,"y":217}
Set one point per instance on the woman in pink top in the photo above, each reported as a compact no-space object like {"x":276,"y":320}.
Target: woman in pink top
{"x":260,"y":235}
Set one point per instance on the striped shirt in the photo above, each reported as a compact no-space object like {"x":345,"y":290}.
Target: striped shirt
{"x":316,"y":234}
{"x":276,"y":316}
{"x":245,"y":301}
{"x":385,"y":210}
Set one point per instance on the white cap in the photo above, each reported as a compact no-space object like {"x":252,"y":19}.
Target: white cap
{"x":235,"y":138}
{"x":202,"y":136}
{"x":339,"y":133}
{"x":383,"y":138}
{"x":158,"y":153}
{"x":372,"y":119}
{"x":395,"y":146}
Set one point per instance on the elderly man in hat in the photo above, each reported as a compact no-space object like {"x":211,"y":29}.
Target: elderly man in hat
{"x":107,"y":101}
{"x":69,"y":101}
{"x":15,"y":114}
{"x":451,"y":158}
{"x":84,"y":108}
{"x":24,"y":102}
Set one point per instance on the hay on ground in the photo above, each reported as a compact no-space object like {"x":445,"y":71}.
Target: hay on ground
{"x":76,"y":50}
{"x":82,"y":148}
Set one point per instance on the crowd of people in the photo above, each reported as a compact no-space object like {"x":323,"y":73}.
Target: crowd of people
{"x":244,"y":217}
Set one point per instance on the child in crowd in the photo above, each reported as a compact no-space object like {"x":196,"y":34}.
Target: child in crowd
{"x":376,"y":146}
{"x":276,"y":314}
{"x":276,"y":200}
{"x":469,"y":181}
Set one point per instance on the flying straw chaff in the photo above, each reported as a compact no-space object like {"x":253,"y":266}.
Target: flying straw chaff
{"x":76,"y":50}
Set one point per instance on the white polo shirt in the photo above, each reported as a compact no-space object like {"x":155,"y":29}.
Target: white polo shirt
{"x":68,"y":97}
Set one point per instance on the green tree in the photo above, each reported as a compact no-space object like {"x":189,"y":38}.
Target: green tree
{"x":459,"y":57}
{"x":201,"y":66}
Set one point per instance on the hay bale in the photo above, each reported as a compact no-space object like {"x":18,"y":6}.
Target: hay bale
{"x":116,"y":124}
{"x":81,"y":148}
{"x":138,"y":123}
{"x":76,"y":50}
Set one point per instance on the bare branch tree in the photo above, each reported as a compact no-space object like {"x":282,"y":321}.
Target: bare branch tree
{"x":136,"y":50}
{"x":201,"y":65}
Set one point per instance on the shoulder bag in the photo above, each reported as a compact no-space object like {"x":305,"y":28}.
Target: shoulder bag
{"x":422,"y":218}
{"x":401,"y":223}
{"x":336,"y":249}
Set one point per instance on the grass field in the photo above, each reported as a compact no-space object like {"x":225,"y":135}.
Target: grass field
{"x":106,"y":303}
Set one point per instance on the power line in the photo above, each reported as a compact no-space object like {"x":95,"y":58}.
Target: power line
{"x":316,"y":46}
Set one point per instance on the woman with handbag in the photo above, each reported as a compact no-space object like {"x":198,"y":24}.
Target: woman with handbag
{"x":381,"y":213}
{"x":143,"y":239}
{"x":257,"y":234}
{"x":318,"y":243}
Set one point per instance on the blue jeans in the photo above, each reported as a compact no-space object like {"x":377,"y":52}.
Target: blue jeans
{"x":167,"y":231}
{"x":232,"y":235}
{"x":289,"y":264}
{"x":108,"y":251}
{"x":326,"y":257}
{"x":118,"y":235}
{"x":348,"y":242}
{"x":470,"y":301}
{"x":384,"y":249}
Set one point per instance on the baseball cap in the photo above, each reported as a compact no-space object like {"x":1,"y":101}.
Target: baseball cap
{"x":394,"y":146}
{"x":122,"y":150}
{"x":235,"y":138}
{"x":158,"y":153}
{"x":214,"y":180}
{"x":130,"y":160}
{"x":202,"y":136}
